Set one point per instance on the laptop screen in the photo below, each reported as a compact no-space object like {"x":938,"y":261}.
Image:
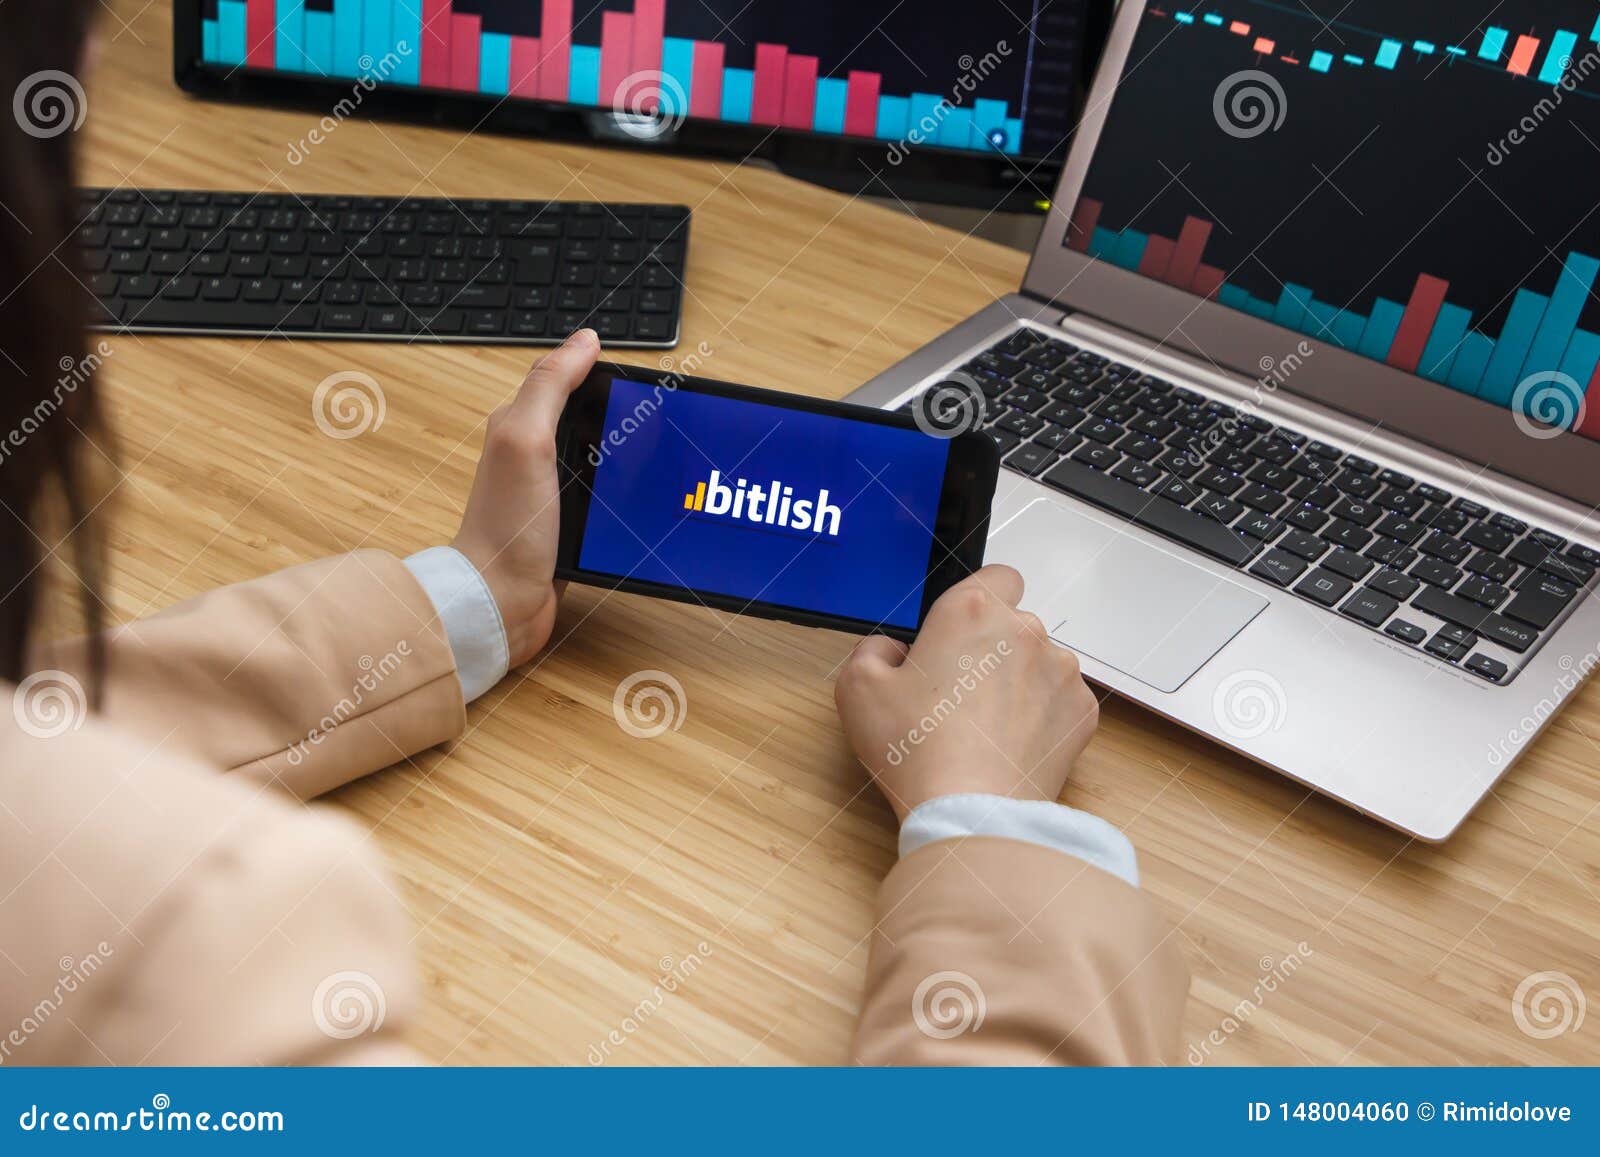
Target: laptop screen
{"x":1409,"y":181}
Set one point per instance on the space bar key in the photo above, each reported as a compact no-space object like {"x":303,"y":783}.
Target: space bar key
{"x":1159,"y":514}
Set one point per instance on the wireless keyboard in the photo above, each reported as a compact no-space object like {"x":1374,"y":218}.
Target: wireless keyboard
{"x":391,"y":268}
{"x":1431,"y":569}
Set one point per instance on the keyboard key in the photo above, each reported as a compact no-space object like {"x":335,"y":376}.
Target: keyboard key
{"x":1491,"y":538}
{"x":1491,"y":566}
{"x":1279,"y":566}
{"x":1158,"y":514}
{"x":1307,"y":546}
{"x":1390,"y":553}
{"x":1308,"y":518}
{"x":1323,"y":586}
{"x":1262,"y":498}
{"x":1177,"y":490}
{"x":1400,"y":528}
{"x":1394,"y":584}
{"x":1406,"y":632}
{"x":1584,"y":554}
{"x":1030,"y":458}
{"x":1216,"y":506}
{"x":1261,"y":526}
{"x":1539,"y":603}
{"x":1472,"y":617}
{"x":1348,"y":563}
{"x":1442,"y":546}
{"x":1447,"y":648}
{"x":1095,"y":455}
{"x":1132,"y":470}
{"x":1356,"y":511}
{"x":1369,"y":607}
{"x":1490,"y":669}
{"x":1436,"y":573}
{"x":1483,"y":592}
{"x":1346,"y":534}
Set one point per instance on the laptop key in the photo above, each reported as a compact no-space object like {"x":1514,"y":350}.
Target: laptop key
{"x":1147,"y":510}
{"x":1348,"y":563}
{"x":1483,"y":592}
{"x":1470,"y":617}
{"x":1399,"y":527}
{"x":1307,"y":546}
{"x":1394,"y":584}
{"x":1584,"y":554}
{"x":1095,"y":455}
{"x":1490,"y":538}
{"x":1030,"y":458}
{"x":1323,"y":586}
{"x":1485,"y":667}
{"x":1369,"y":607}
{"x":1406,"y":632}
{"x":1540,"y":602}
{"x":1177,"y":490}
{"x":1218,"y":507}
{"x":1491,"y":566}
{"x":1308,"y":518}
{"x":1447,"y":648}
{"x":1261,"y":526}
{"x":1355,"y":510}
{"x":1442,"y":546}
{"x":1436,"y":573}
{"x":1141,"y":474}
{"x":1390,"y":553}
{"x":1347,"y":534}
{"x":1279,"y":566}
{"x":1004,"y":440}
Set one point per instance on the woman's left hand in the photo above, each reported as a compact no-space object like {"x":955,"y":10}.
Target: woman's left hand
{"x":512,"y":522}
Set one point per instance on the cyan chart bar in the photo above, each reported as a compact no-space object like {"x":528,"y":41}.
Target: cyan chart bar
{"x":231,"y":31}
{"x":1388,"y":53}
{"x":989,"y":118}
{"x":1319,"y":320}
{"x":1102,"y":243}
{"x":1290,"y":311}
{"x":1262,"y":309}
{"x":1129,"y":249}
{"x":1382,"y":324}
{"x":1560,"y":320}
{"x":405,"y":27}
{"x":319,"y":43}
{"x":677,"y":65}
{"x":1425,"y":47}
{"x":1449,"y":328}
{"x":290,"y":37}
{"x":833,"y":94}
{"x":1522,"y":322}
{"x":1348,"y":328}
{"x":583,"y":81}
{"x":374,"y":34}
{"x":1471,"y":359}
{"x":1320,"y":61}
{"x":1353,"y":60}
{"x":494,"y":63}
{"x":1494,"y":43}
{"x":1559,"y":58}
{"x":925,"y":116}
{"x":1582,"y":356}
{"x":347,"y":27}
{"x":894,"y":117}
{"x":738,"y":89}
{"x":1213,"y":19}
{"x":1594,"y":33}
{"x":209,"y":52}
{"x":1013,"y":131}
{"x":956,"y":130}
{"x":1229,"y":295}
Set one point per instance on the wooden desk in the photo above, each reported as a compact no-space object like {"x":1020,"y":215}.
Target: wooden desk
{"x":557,"y":868}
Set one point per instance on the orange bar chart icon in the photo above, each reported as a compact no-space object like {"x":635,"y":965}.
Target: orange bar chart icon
{"x":697,"y":499}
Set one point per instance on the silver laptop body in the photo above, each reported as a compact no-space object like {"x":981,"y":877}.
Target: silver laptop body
{"x":1347,"y":709}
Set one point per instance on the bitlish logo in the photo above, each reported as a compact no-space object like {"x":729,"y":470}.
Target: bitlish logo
{"x":770,"y":505}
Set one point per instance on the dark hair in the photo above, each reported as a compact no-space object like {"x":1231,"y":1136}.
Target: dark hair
{"x":48,"y":407}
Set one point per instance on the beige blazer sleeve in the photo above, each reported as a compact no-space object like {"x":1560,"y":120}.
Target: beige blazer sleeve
{"x":992,"y":951}
{"x":307,"y":678}
{"x":161,"y":900}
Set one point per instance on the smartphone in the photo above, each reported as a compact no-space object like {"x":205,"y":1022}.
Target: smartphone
{"x":765,"y":503}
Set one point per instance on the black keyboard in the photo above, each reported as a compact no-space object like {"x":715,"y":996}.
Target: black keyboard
{"x":1466,"y":584}
{"x":408,"y":269}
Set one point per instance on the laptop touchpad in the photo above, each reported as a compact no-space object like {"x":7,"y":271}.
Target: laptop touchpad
{"x":1132,"y":605}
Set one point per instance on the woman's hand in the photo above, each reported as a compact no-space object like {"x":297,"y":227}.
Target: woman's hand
{"x":982,"y":702}
{"x":512,"y":522}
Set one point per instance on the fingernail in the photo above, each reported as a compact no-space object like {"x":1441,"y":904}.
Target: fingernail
{"x":585,"y":336}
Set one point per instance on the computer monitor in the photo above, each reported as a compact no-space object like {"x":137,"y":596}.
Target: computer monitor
{"x":976,"y":97}
{"x":1400,"y":181}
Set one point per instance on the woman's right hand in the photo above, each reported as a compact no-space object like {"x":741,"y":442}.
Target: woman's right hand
{"x":983,"y":701}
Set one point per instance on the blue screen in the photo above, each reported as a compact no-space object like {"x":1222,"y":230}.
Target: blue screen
{"x":764,"y":503}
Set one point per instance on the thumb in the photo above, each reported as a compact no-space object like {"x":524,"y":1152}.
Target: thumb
{"x":544,"y":391}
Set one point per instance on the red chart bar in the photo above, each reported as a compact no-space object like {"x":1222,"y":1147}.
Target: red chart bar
{"x":766,"y":98}
{"x":861,"y":103}
{"x":649,"y":26}
{"x":260,"y":33}
{"x":616,"y":52}
{"x":1207,"y":280}
{"x":1417,"y":322}
{"x":555,"y":43}
{"x":434,"y":69}
{"x":1080,"y":229}
{"x":1590,"y":426}
{"x":524,"y":66}
{"x":800,"y":92}
{"x":1522,"y":55}
{"x":1157,"y":256}
{"x":705,"y":80}
{"x":465,"y":34}
{"x":1186,"y":255}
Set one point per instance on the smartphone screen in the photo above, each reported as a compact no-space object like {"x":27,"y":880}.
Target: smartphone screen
{"x":765,"y":502}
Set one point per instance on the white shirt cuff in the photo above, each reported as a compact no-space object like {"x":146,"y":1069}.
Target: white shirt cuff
{"x":1050,"y":825}
{"x":471,"y":619}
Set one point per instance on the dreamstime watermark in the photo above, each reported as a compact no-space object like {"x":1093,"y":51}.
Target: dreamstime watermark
{"x":1574,"y":71}
{"x":374,"y":672}
{"x":74,"y":974}
{"x":373,"y":73}
{"x":950,"y":407}
{"x":1248,"y":103}
{"x":1274,"y":974}
{"x":1573,"y":673}
{"x":49,"y":703}
{"x":1547,"y":404}
{"x":1275,"y":373}
{"x":973,"y":672}
{"x":646,"y":408}
{"x":74,"y":373}
{"x":49,"y":103}
{"x":348,"y":404}
{"x":649,"y":703}
{"x":974,"y":71}
{"x":673,"y":974}
{"x":649,"y":104}
{"x":1548,"y":1004}
{"x":1248,"y":704}
{"x":948,"y":1004}
{"x":348,"y":1004}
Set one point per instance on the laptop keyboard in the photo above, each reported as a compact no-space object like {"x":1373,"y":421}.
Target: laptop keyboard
{"x":396,"y":268}
{"x":1466,"y":584}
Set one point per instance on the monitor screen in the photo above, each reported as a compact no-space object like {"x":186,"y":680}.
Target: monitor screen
{"x":1398,"y":178}
{"x":990,"y":76}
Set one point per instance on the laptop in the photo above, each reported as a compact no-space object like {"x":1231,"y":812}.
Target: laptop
{"x":1299,"y":400}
